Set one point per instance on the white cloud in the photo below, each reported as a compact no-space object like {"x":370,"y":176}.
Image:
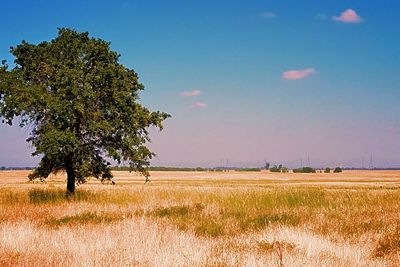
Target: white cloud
{"x":191,"y":93}
{"x":200,"y":105}
{"x":298,"y":74}
{"x":268,"y":15}
{"x":348,"y":16}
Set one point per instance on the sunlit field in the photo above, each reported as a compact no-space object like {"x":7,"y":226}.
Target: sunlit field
{"x":203,"y":219}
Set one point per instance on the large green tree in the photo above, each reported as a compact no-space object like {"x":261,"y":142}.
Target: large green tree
{"x":81,"y":106}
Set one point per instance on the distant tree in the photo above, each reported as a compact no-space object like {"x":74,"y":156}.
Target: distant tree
{"x":304,"y":170}
{"x":327,"y":170}
{"x":337,"y":169}
{"x":81,"y":104}
{"x":3,"y":168}
{"x":274,"y":169}
{"x":279,"y":168}
{"x":267,"y":164}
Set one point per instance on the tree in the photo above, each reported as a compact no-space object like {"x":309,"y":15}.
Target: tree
{"x":275,"y":169}
{"x":267,"y":164}
{"x":81,"y":105}
{"x":304,"y":170}
{"x":327,"y":170}
{"x":279,"y":168}
{"x":337,"y":170}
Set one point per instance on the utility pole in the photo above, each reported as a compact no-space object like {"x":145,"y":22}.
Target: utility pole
{"x":371,"y":163}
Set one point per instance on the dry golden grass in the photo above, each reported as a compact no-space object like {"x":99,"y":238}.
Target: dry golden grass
{"x":203,"y":219}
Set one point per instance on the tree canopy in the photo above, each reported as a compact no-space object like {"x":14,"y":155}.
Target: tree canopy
{"x":80,"y":104}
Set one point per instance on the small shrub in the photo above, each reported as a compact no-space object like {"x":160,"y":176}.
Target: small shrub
{"x":327,"y":170}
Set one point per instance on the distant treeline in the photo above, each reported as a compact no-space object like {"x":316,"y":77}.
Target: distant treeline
{"x":187,"y":169}
{"x":374,"y":169}
{"x":157,"y":168}
{"x":275,"y":168}
{"x":161,"y":168}
{"x":4,"y":168}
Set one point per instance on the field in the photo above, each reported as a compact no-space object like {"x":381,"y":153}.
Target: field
{"x":203,"y":219}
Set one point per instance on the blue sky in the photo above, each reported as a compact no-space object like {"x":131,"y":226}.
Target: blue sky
{"x":264,"y":80}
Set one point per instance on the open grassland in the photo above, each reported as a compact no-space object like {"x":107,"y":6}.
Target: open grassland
{"x":203,"y":219}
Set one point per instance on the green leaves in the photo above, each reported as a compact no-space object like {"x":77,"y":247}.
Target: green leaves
{"x":80,"y":103}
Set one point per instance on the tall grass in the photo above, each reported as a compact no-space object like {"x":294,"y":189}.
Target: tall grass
{"x":223,"y":218}
{"x":321,"y":210}
{"x":83,"y":218}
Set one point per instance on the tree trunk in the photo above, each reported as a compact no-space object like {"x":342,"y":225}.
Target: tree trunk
{"x":70,"y":179}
